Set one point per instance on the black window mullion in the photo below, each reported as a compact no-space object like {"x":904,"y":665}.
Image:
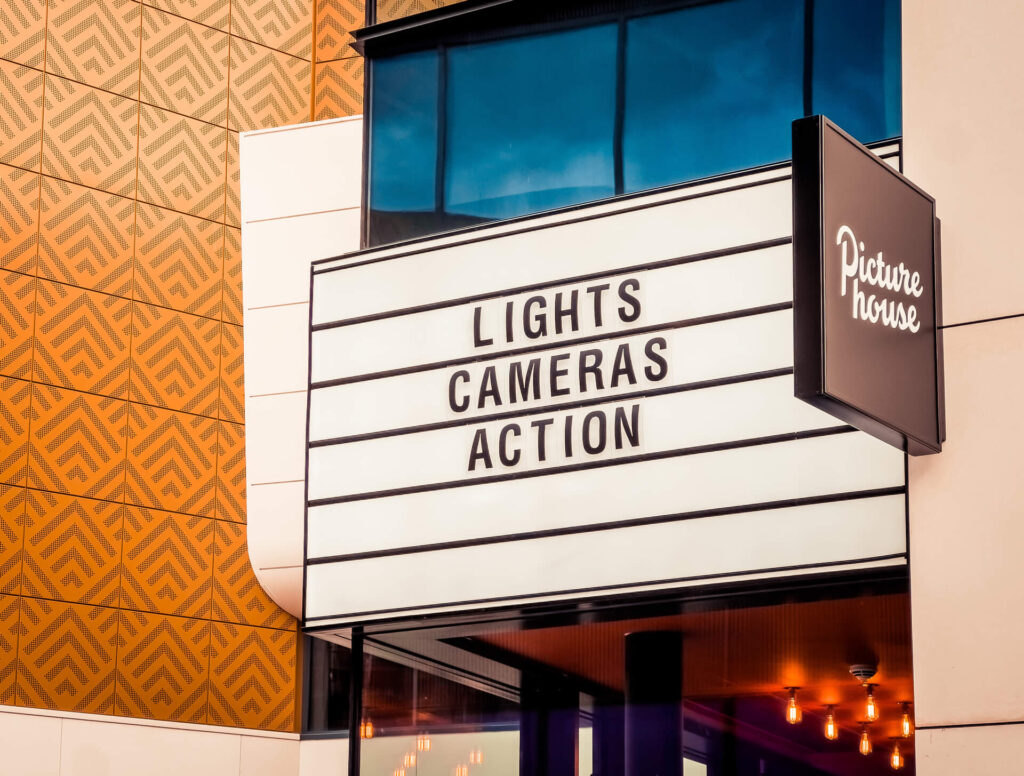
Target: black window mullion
{"x":620,"y":106}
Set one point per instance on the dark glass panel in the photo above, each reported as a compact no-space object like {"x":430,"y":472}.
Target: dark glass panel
{"x":711,"y":89}
{"x":403,"y":140}
{"x":530,"y":123}
{"x":856,"y":72}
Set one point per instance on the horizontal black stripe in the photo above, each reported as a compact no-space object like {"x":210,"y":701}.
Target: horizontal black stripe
{"x":607,"y":202}
{"x":676,"y":261}
{"x":608,"y":399}
{"x":575,"y":467}
{"x":764,"y":506}
{"x":956,"y":725}
{"x":601,"y":588}
{"x":604,"y":336}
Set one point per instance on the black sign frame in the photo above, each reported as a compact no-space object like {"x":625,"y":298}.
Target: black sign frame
{"x":812,"y":334}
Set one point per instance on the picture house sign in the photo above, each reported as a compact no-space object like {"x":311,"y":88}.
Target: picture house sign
{"x":866,"y":290}
{"x":578,"y":404}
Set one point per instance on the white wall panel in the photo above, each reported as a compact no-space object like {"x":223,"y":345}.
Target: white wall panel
{"x":706,"y":547}
{"x":278,"y":363}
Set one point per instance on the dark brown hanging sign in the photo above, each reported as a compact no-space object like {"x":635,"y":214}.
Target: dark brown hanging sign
{"x":866,"y":291}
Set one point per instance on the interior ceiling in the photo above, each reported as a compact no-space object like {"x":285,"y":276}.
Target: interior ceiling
{"x":755,"y":652}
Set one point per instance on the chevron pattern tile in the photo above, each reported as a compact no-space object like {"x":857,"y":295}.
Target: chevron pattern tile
{"x":232,"y":309}
{"x":19,"y":211}
{"x":232,"y":373}
{"x":212,"y":13}
{"x":335,"y":20}
{"x":72,"y":548}
{"x":81,"y":339}
{"x":66,"y":656}
{"x":178,"y":261}
{"x":167,"y":562}
{"x":237,"y":596}
{"x":89,"y":137}
{"x":15,"y":406}
{"x":397,"y":9}
{"x":339,"y":88}
{"x":10,"y":615}
{"x":17,"y":304}
{"x":278,"y":24}
{"x":172,"y":460}
{"x":251,"y":674}
{"x":77,"y":443}
{"x":162,"y":667}
{"x":12,"y":537}
{"x":21,"y":119}
{"x":175,"y":360}
{"x":184,"y":66}
{"x":95,"y":42}
{"x":22,"y":32}
{"x":268,"y":88}
{"x":181,"y":163}
{"x":231,"y":472}
{"x":85,"y":237}
{"x":233,"y":206}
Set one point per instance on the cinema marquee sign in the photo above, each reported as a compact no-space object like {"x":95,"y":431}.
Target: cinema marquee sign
{"x":580,"y":404}
{"x":868,"y":347}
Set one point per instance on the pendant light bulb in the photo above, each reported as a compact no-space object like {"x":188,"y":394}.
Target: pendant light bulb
{"x":366,"y":729}
{"x":794,"y":713}
{"x":865,"y":741}
{"x":831,"y":730}
{"x":896,"y":759}
{"x":906,"y":724}
{"x":871,"y":710}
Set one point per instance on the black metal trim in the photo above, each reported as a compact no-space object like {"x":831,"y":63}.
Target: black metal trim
{"x":716,"y":447}
{"x":618,"y":586}
{"x":355,"y":698}
{"x":668,"y":326}
{"x":765,"y":506}
{"x":576,"y":404}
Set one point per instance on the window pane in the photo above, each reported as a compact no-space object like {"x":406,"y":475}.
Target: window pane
{"x":403,"y":141}
{"x":711,"y":89}
{"x":856,"y":79}
{"x":530,"y":123}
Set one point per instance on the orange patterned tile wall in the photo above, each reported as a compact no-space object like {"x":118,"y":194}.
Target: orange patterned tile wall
{"x":125,"y":586}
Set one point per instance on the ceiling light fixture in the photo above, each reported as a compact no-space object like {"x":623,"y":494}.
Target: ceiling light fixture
{"x":794,"y":713}
{"x":865,"y":741}
{"x":906,"y":724}
{"x":831,"y":730}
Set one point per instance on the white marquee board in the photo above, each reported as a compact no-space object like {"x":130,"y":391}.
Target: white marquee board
{"x":581,"y":404}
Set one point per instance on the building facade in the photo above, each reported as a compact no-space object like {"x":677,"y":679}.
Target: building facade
{"x":154,"y":592}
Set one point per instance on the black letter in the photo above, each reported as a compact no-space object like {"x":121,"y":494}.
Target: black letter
{"x":629,"y":299}
{"x":623,"y":366}
{"x":541,"y":426}
{"x":508,"y":321}
{"x":507,"y":460}
{"x":659,"y":374}
{"x":489,"y":389}
{"x":479,"y":450}
{"x":542,"y":321}
{"x":568,"y":436}
{"x":572,"y":311}
{"x":522,"y":382}
{"x":597,"y":291}
{"x":593,"y":369}
{"x":463,"y":405}
{"x":601,"y":432}
{"x":555,"y":373}
{"x":622,"y":425}
{"x":478,"y":340}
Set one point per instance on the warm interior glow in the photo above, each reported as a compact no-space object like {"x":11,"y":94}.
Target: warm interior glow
{"x":906,"y":725}
{"x":793,"y":712}
{"x":423,"y":743}
{"x":409,"y":760}
{"x":831,"y":731}
{"x":366,"y":729}
{"x":871,"y":710}
{"x":865,"y":742}
{"x":896,"y":761}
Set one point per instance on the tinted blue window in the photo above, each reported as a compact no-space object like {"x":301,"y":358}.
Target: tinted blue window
{"x":856,"y":71}
{"x":530,"y":123}
{"x":403,"y":144}
{"x":711,"y":89}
